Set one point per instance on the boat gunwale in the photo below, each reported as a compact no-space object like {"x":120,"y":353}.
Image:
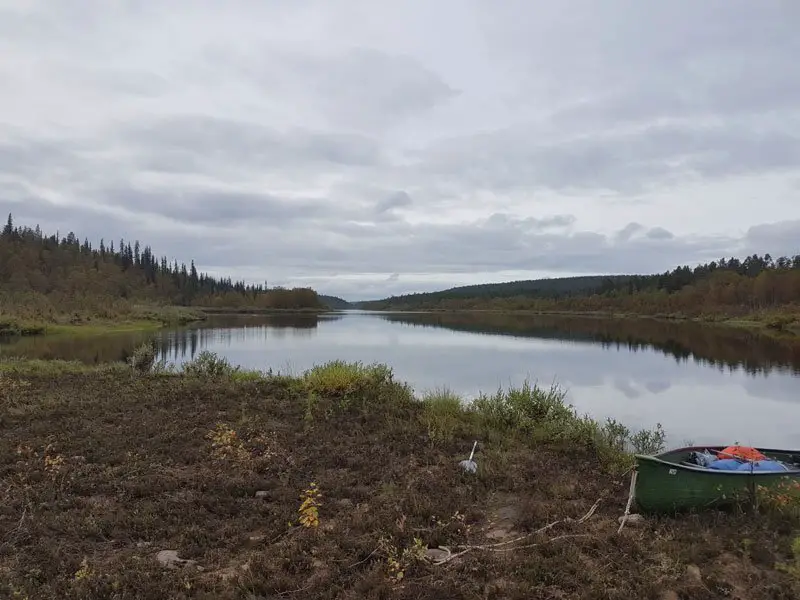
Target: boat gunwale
{"x":657,"y":458}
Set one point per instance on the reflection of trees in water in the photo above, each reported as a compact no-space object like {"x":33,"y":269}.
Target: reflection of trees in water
{"x":704,"y":344}
{"x":172,"y":345}
{"x":185,"y":344}
{"x":86,"y":349}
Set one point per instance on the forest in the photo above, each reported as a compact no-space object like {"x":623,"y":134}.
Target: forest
{"x":728,"y":287}
{"x":48,"y":277}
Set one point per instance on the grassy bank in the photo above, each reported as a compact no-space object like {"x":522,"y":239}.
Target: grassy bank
{"x":338,"y":483}
{"x":140,"y":318}
{"x":771,"y":322}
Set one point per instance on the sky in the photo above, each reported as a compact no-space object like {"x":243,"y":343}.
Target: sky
{"x":368,"y":149}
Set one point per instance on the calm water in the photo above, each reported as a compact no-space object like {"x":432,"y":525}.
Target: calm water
{"x":704,"y":384}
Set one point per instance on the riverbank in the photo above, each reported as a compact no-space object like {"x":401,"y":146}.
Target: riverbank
{"x":129,"y":469}
{"x":138,"y":318}
{"x":772,"y":322}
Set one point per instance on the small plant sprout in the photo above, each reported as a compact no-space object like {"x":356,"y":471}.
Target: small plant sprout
{"x":309,"y":507}
{"x":225,"y":444}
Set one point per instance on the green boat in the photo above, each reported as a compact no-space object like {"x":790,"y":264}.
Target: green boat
{"x":669,"y":482}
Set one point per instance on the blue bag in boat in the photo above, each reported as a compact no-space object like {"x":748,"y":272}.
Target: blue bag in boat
{"x":761,"y":466}
{"x":727,"y":464}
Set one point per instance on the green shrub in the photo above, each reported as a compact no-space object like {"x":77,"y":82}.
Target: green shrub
{"x":340,"y":378}
{"x":207,"y":365}
{"x":543,"y":415}
{"x":143,"y":358}
{"x":522,"y":409}
{"x":442,"y":413}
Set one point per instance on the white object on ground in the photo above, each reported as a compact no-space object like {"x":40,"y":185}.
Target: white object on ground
{"x":469,"y":465}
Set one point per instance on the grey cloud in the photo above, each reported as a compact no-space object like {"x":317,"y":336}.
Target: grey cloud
{"x":659,"y":233}
{"x":629,"y":231}
{"x":359,"y":87}
{"x":529,"y":224}
{"x":624,"y":161}
{"x":218,"y":207}
{"x":653,"y":61}
{"x":204,"y":140}
{"x":779,"y":238}
{"x":393,"y":277}
{"x":398,"y":199}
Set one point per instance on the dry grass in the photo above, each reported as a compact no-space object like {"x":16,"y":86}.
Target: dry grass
{"x":102,"y":469}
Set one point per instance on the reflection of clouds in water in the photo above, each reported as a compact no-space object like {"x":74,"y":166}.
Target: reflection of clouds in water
{"x":627,"y":388}
{"x":773,"y":386}
{"x":657,"y":387}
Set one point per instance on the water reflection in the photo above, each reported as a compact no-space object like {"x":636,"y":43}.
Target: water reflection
{"x":703,"y":344}
{"x":711,"y":385}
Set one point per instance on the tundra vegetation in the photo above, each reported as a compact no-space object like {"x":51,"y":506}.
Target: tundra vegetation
{"x":143,"y":480}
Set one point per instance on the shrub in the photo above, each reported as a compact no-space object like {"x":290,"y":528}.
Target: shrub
{"x":442,"y":412}
{"x":522,"y":409}
{"x":208,"y":365}
{"x":143,"y":358}
{"x":340,"y":378}
{"x":543,"y":415}
{"x":782,"y":500}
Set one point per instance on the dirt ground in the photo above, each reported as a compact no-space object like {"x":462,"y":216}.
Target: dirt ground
{"x":99,"y":473}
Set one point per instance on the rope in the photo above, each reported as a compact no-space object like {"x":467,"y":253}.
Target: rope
{"x":631,"y":494}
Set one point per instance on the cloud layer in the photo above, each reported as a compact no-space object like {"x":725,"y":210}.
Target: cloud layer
{"x":408,"y":146}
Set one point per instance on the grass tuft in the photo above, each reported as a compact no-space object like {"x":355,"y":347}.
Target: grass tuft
{"x":442,"y":414}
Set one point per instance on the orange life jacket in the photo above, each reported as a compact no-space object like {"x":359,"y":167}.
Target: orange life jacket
{"x":742,"y":452}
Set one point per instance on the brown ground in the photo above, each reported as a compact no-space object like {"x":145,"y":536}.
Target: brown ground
{"x":98,"y":473}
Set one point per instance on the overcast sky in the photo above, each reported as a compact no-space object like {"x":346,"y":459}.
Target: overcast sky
{"x":371,"y":148}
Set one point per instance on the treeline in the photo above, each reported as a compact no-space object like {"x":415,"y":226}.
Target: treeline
{"x":728,"y":287}
{"x":532,"y":288}
{"x":334,"y":302}
{"x":43,"y":276}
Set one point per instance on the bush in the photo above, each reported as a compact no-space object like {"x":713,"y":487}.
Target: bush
{"x":340,"y":378}
{"x":143,"y":358}
{"x":542,"y":415}
{"x":442,"y":412}
{"x":208,"y":365}
{"x":339,"y":385}
{"x":522,"y":409}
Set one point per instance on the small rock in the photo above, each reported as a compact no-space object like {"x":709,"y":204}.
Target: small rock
{"x":436,"y":554}
{"x":633,"y":519}
{"x":143,"y":544}
{"x":262,"y":494}
{"x":257,"y":538}
{"x":171,"y":560}
{"x":693,"y":574}
{"x":669,"y":595}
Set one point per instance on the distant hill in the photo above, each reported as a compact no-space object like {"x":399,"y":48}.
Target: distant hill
{"x":334,"y":302}
{"x":531,"y":288}
{"x":760,"y":286}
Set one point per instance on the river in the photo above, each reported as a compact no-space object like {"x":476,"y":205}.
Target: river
{"x":704,"y":384}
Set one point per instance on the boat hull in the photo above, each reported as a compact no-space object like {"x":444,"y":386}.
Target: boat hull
{"x":664,"y":485}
